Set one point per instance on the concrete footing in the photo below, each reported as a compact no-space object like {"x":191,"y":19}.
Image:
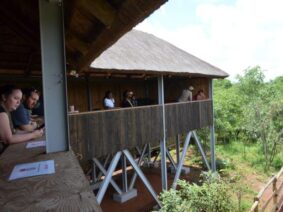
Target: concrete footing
{"x":125,"y":196}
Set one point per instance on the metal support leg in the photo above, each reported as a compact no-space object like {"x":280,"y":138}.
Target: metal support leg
{"x":139,"y":164}
{"x":101,"y":168}
{"x":108,"y":177}
{"x":104,"y":165}
{"x":180,"y":165}
{"x":94,"y":174}
{"x":138,"y":150}
{"x":149,"y":154}
{"x":201,"y":150}
{"x":163,"y":164}
{"x":212,"y":130}
{"x":178,"y":148}
{"x":124,"y":174}
{"x":212,"y":148}
{"x":154,"y":160}
{"x":141,"y":175}
{"x":127,"y":193}
{"x":172,"y":162}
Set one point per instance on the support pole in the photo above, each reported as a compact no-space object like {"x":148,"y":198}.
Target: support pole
{"x":134,"y":177}
{"x":54,"y":76}
{"x":88,"y":93}
{"x":102,"y":169}
{"x":180,"y":165}
{"x":108,"y":177}
{"x":142,"y":176}
{"x":178,"y":148}
{"x":163,"y":140}
{"x":201,"y":150}
{"x":124,"y":174}
{"x":212,"y":130}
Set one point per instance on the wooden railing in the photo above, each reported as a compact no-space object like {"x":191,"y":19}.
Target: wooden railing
{"x":98,"y":133}
{"x":274,"y":201}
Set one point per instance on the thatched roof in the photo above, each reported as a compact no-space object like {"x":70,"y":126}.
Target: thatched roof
{"x":140,"y":52}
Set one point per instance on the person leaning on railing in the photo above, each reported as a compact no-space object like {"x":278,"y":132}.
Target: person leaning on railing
{"x":187,"y":95}
{"x":21,"y":117}
{"x":10,"y":99}
{"x":200,"y":95}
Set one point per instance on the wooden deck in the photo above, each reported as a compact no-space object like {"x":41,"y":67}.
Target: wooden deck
{"x":66,"y":190}
{"x":98,"y":133}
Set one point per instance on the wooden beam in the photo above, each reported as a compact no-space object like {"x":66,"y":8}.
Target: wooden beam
{"x":28,"y":66}
{"x":19,"y":27}
{"x":101,"y":9}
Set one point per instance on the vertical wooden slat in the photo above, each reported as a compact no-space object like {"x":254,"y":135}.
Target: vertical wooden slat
{"x":100,"y":133}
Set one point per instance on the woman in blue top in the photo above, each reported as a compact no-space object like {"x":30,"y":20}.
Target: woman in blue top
{"x":10,"y":99}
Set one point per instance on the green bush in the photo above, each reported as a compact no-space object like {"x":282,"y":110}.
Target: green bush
{"x":210,"y":196}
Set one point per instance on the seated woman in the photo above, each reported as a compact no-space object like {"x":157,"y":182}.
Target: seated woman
{"x":108,"y":101}
{"x":10,"y":99}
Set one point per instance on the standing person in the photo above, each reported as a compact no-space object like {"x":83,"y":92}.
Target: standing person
{"x":108,"y":101}
{"x":133,"y":99}
{"x":187,"y":95}
{"x":21,"y":117}
{"x":127,"y":101}
{"x":10,"y":99}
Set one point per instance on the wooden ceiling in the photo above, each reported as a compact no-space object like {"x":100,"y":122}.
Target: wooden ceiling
{"x":91,"y":26}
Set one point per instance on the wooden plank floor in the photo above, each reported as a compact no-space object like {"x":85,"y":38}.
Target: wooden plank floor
{"x":66,"y":190}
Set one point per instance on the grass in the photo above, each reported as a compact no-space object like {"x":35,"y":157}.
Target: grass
{"x":246,"y":164}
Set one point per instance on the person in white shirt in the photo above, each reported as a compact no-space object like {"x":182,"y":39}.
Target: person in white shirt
{"x":108,"y":101}
{"x":187,"y":95}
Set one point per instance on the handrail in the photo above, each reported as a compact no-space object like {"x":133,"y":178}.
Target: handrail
{"x":274,"y":196}
{"x":99,"y":133}
{"x":138,"y":107}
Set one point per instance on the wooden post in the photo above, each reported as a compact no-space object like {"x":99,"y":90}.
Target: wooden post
{"x":275,"y":193}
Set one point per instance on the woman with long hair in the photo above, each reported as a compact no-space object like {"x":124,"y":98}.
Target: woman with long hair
{"x":10,"y":99}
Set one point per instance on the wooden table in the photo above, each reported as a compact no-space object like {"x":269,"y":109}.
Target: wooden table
{"x":66,"y":190}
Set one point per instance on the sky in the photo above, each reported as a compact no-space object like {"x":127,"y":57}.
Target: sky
{"x":232,"y":35}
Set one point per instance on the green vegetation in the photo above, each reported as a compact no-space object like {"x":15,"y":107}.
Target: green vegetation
{"x":251,"y":111}
{"x":211,"y":195}
{"x":249,"y":134}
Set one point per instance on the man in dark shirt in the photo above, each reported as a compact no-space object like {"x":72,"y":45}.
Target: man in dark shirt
{"x":22,"y":116}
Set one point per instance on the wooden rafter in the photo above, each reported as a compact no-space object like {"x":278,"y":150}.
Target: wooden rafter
{"x":101,"y":9}
{"x":126,"y":19}
{"x":19,"y":27}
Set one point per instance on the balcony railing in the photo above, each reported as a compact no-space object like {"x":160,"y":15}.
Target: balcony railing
{"x":98,"y":133}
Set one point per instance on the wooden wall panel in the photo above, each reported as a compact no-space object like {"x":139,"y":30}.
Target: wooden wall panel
{"x":104,"y":132}
{"x":98,"y":133}
{"x":183,"y":117}
{"x":77,"y":94}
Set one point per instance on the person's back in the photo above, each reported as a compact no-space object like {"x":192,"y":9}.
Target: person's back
{"x":187,"y":95}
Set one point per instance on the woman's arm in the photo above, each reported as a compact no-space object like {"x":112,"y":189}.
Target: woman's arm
{"x":7,"y":136}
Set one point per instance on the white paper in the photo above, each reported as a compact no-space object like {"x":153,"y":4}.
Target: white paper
{"x":34,"y":144}
{"x":32,"y":169}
